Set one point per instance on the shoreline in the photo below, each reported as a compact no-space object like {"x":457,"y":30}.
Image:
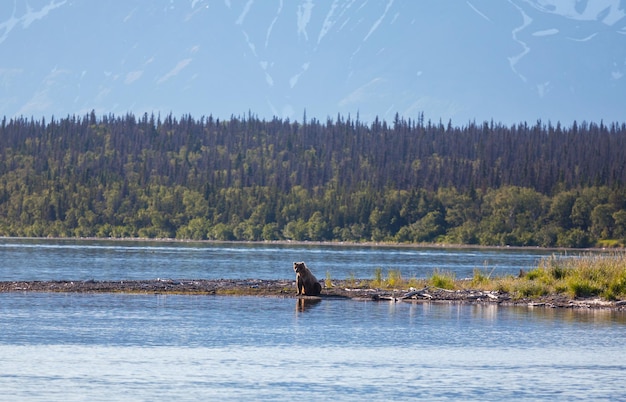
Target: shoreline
{"x":317,"y":243}
{"x":353,"y":289}
{"x":341,"y":289}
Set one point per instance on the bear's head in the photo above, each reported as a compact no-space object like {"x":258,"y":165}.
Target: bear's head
{"x":299,"y":267}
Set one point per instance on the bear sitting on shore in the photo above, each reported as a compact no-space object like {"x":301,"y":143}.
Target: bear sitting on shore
{"x":307,"y":283}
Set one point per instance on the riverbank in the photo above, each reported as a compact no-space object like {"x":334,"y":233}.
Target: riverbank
{"x":381,"y":244}
{"x":341,"y":289}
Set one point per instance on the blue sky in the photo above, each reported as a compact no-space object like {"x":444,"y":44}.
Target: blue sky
{"x":510,"y":61}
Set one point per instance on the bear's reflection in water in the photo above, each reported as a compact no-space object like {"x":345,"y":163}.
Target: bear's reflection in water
{"x":305,"y":303}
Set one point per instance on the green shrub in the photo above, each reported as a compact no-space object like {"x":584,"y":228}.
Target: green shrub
{"x":534,"y":274}
{"x":443,"y":279}
{"x":580,"y":287}
{"x":531,"y":289}
{"x":597,"y":275}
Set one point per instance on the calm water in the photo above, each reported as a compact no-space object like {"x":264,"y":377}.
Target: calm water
{"x":27,"y":259}
{"x":152,"y":347}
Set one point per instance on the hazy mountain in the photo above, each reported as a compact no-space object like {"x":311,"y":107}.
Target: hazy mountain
{"x":461,"y":60}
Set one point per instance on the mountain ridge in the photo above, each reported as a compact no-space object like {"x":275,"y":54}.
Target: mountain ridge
{"x":512,"y":61}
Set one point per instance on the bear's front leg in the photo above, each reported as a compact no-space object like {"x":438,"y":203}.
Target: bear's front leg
{"x":299,"y":286}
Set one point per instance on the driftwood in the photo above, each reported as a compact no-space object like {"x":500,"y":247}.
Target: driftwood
{"x":417,"y":293}
{"x":447,"y":294}
{"x":385,"y":297}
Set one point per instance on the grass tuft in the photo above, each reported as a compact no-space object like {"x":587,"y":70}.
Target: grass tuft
{"x":394,"y":278}
{"x":378,"y":277}
{"x":480,"y":277}
{"x":443,"y":279}
{"x":352,"y":280}
{"x":328,"y":281}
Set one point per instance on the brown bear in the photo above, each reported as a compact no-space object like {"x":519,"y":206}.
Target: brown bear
{"x":307,"y":283}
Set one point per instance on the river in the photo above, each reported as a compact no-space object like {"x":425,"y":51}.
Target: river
{"x":155,"y":347}
{"x":44,"y":259}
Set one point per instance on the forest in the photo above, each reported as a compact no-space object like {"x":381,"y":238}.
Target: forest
{"x":251,"y":179}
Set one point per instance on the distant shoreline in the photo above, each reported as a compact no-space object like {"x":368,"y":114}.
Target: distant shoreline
{"x":316,"y":243}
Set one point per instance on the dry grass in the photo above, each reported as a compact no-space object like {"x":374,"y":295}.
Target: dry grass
{"x":588,"y":275}
{"x":328,"y":282}
{"x":392,"y":280}
{"x":585,"y":276}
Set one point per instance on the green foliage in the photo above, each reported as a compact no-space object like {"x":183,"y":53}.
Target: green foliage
{"x":584,"y":276}
{"x":443,"y":279}
{"x":531,"y":289}
{"x":250,"y":180}
{"x":583,"y":287}
{"x":597,"y":276}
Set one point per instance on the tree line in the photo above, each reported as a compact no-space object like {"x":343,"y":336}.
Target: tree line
{"x":246,"y":178}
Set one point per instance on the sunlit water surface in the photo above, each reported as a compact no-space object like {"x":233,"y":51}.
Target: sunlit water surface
{"x":43,"y":259}
{"x":154,"y":347}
